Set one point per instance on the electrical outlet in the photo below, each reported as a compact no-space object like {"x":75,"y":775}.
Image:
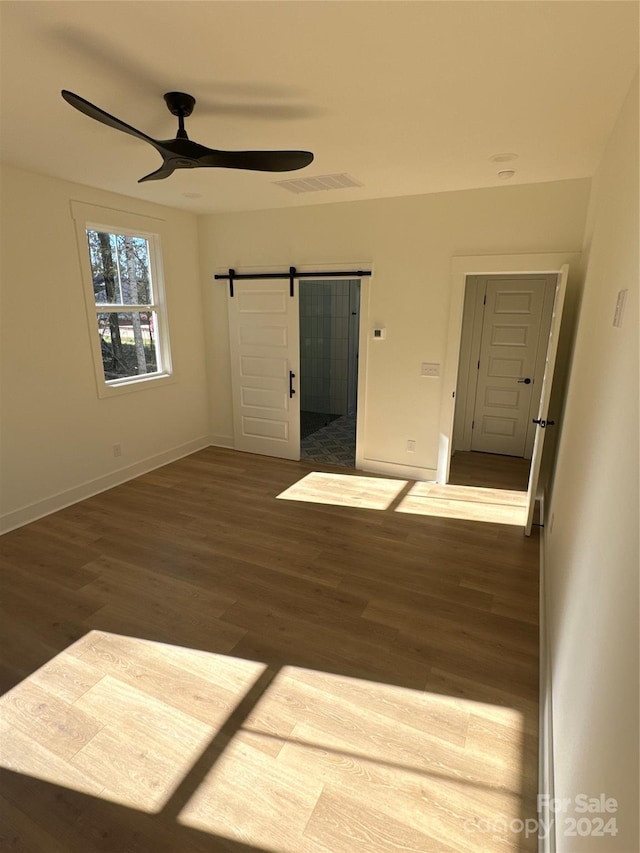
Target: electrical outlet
{"x":429,"y":369}
{"x":411,"y":445}
{"x":117,"y":449}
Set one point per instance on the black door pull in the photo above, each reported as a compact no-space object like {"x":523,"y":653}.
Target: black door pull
{"x":292,"y":376}
{"x":526,"y":381}
{"x":542,"y":423}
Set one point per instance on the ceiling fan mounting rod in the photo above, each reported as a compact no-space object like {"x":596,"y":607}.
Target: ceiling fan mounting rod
{"x":180,"y":104}
{"x":182,"y":133}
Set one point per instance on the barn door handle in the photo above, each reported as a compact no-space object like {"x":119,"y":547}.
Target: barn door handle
{"x":542,"y":423}
{"x":526,"y":381}
{"x":292,"y":376}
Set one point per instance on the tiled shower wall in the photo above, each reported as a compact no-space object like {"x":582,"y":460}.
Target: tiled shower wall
{"x":328,"y":345}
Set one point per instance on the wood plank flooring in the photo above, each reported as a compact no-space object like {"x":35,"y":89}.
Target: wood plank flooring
{"x":489,"y":470}
{"x":235,"y":653}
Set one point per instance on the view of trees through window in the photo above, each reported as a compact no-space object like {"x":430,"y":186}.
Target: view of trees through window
{"x":124,"y":302}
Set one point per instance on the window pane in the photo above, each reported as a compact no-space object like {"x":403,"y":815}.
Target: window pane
{"x":128,"y":344}
{"x":120,"y":268}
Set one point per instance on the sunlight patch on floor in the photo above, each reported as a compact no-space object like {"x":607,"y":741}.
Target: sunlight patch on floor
{"x":468,"y":503}
{"x":494,"y":506}
{"x":313,"y":761}
{"x":345,"y":490}
{"x":120,"y":718}
{"x":350,"y":765}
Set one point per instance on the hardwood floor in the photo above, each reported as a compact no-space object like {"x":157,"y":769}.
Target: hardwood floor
{"x":489,"y":470}
{"x":228,"y":654}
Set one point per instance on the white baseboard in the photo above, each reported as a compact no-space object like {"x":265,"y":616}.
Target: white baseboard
{"x":395,"y":469}
{"x":222,"y":441}
{"x":546,"y":785}
{"x":39,"y":509}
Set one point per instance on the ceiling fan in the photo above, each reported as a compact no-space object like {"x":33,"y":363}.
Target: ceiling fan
{"x":183,"y":153}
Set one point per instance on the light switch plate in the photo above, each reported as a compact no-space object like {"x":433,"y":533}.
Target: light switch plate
{"x":619,"y":313}
{"x":429,"y":369}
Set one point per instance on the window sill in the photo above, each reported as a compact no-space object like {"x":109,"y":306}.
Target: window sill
{"x":139,"y":383}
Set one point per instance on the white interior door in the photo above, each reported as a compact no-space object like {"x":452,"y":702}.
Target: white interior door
{"x":265,"y":355}
{"x":515,"y":325}
{"x":545,"y":395}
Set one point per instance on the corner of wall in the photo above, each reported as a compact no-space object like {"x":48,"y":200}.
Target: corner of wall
{"x":46,"y":506}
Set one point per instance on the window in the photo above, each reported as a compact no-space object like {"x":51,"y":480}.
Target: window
{"x":126,"y":313}
{"x":125,"y":309}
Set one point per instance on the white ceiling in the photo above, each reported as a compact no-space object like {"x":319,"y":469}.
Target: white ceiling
{"x":406,"y":97}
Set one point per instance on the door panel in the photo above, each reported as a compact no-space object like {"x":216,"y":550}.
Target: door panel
{"x":258,"y":301}
{"x":504,"y":427}
{"x":263,"y":367}
{"x":269,"y":336}
{"x":517,"y":312}
{"x":504,"y":336}
{"x":264,"y":347}
{"x":263,"y":428}
{"x":262,"y":398}
{"x":505,"y":368}
{"x":545,"y":395}
{"x":502,"y":398}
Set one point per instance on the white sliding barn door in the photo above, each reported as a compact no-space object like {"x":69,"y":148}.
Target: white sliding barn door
{"x":545,"y":395}
{"x":265,"y":354}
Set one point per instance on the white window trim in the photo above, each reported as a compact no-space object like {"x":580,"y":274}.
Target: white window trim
{"x":88,"y":216}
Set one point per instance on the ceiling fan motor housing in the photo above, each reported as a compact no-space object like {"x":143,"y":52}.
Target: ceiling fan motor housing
{"x":180,"y":104}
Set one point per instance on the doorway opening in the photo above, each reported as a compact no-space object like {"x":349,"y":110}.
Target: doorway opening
{"x":329,"y":334}
{"x":462,"y":268}
{"x":506,"y":324}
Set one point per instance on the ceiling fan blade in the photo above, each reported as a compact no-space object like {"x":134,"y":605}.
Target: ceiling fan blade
{"x":259,"y":161}
{"x":96,"y":113}
{"x":163,"y":172}
{"x":184,"y":153}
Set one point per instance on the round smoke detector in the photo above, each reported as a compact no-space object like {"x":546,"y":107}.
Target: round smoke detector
{"x":503,"y":158}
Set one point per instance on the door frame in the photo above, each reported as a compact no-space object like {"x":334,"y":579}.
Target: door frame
{"x":461,"y":267}
{"x":363,"y":339}
{"x":363,"y":334}
{"x":472,"y":320}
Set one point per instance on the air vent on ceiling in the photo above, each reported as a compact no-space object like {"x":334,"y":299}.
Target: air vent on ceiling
{"x":321,"y":182}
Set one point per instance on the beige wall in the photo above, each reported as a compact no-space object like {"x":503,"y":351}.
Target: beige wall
{"x":410,"y":243}
{"x":592,"y":551}
{"x":57,"y":435}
